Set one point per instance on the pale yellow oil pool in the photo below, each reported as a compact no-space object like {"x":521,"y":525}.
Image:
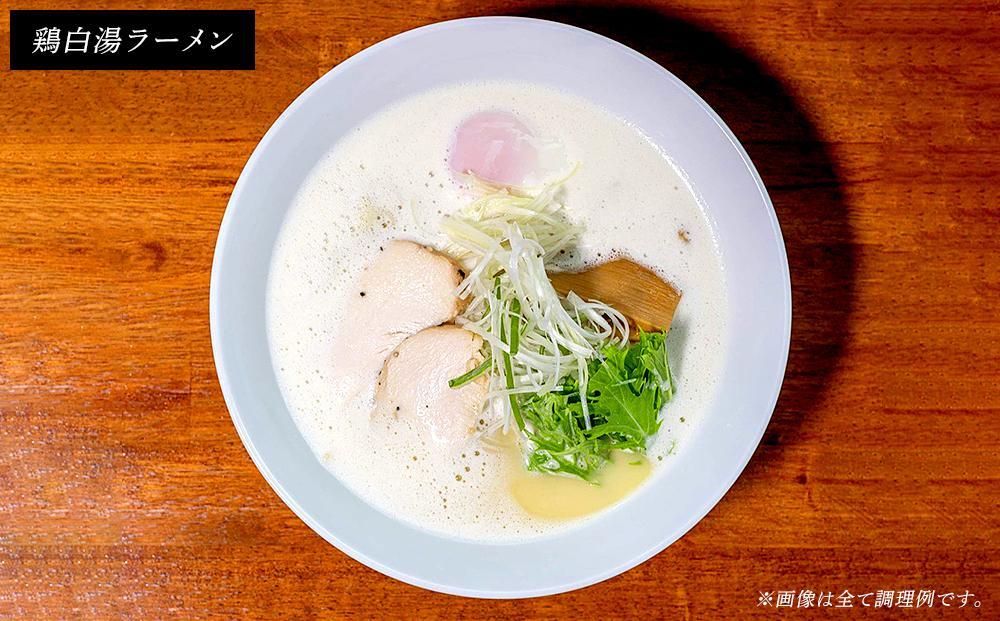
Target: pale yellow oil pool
{"x":562,"y":497}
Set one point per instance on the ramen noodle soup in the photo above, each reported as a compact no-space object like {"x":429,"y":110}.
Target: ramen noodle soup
{"x":417,"y":249}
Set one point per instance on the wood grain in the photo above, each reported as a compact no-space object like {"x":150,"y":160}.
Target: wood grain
{"x":125,"y":492}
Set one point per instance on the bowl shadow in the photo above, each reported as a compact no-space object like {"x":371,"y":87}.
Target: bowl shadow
{"x":800,"y":175}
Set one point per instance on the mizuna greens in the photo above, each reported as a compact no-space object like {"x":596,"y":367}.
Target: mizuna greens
{"x":627,"y":386}
{"x":561,"y":369}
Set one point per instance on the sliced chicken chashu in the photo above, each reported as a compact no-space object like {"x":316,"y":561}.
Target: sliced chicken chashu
{"x":408,"y":287}
{"x":413,"y":384}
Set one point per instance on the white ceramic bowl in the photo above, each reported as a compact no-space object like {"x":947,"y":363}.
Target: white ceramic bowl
{"x":629,"y":85}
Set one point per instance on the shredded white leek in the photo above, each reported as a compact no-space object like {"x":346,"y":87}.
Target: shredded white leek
{"x":506,"y":237}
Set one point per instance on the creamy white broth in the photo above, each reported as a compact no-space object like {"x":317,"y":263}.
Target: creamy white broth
{"x":390,"y":179}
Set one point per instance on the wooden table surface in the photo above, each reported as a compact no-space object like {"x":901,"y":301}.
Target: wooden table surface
{"x":125,"y":491}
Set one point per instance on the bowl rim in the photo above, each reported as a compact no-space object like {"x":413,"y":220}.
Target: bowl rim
{"x":290,"y":501}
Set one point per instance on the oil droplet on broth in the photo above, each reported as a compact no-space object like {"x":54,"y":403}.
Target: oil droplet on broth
{"x":557,"y":497}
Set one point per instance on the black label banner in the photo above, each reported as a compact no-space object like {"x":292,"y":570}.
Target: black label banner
{"x":131,"y":40}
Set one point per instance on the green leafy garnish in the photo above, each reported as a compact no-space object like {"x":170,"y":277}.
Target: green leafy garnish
{"x":627,"y":387}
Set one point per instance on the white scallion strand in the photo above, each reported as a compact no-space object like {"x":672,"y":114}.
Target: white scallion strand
{"x":505,"y":238}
